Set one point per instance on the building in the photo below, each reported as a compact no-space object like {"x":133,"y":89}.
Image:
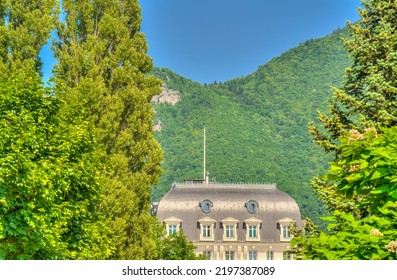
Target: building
{"x":231,"y":221}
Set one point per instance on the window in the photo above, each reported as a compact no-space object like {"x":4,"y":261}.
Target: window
{"x":229,"y":255}
{"x":206,"y":206}
{"x":252,"y":255}
{"x":269,"y":255}
{"x":252,"y":231}
{"x":286,"y":233}
{"x":252,"y":206}
{"x":207,"y":229}
{"x":284,"y":224}
{"x":229,"y":229}
{"x":286,"y":256}
{"x":207,"y":254}
{"x":252,"y":226}
{"x":173,"y":225}
{"x":172,"y":229}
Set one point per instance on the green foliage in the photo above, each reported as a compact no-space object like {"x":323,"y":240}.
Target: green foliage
{"x":256,"y":125}
{"x":361,"y":183}
{"x":103,"y":65}
{"x":177,"y":247}
{"x":368,"y":95}
{"x":368,"y":168}
{"x":49,"y":179}
{"x":25,"y":26}
{"x":49,"y":168}
{"x":370,"y":238}
{"x":367,"y":98}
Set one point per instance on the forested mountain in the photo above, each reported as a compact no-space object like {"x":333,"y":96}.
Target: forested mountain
{"x":257,"y":126}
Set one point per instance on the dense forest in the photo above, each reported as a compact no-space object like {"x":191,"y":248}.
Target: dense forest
{"x":257,"y":126}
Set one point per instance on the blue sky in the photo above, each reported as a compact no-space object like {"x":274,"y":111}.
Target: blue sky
{"x":218,"y":40}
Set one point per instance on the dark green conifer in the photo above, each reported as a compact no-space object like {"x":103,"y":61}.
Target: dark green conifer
{"x":368,"y":97}
{"x":359,"y":185}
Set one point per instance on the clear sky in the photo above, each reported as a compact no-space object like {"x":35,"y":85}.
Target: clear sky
{"x":217,"y":40}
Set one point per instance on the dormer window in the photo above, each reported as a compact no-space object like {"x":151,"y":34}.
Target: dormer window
{"x":285,"y":225}
{"x":207,"y":229}
{"x":173,"y":225}
{"x":252,"y":226}
{"x":171,"y":229}
{"x":229,"y":229}
{"x":253,"y":232}
{"x":285,"y":233}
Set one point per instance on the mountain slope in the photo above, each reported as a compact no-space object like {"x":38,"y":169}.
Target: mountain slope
{"x":256,"y":125}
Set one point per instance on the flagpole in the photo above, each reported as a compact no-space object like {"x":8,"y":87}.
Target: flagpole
{"x":205,"y":175}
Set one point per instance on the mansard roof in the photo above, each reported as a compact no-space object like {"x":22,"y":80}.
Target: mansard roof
{"x":195,"y":202}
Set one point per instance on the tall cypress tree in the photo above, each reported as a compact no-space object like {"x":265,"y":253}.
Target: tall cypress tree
{"x":103,"y":65}
{"x":368,"y":97}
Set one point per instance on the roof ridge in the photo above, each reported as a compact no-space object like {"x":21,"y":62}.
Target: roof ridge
{"x":219,"y":184}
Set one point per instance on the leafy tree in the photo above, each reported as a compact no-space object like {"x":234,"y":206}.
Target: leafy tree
{"x":177,"y":247}
{"x":368,"y":166}
{"x":359,"y":186}
{"x":371,"y":238}
{"x":103,"y":65}
{"x":25,"y":26}
{"x":49,"y":167}
{"x":49,"y":178}
{"x":368,"y":95}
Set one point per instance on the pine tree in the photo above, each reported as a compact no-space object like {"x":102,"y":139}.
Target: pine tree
{"x":368,"y":95}
{"x":103,"y":65}
{"x":360,"y":185}
{"x":49,"y":168}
